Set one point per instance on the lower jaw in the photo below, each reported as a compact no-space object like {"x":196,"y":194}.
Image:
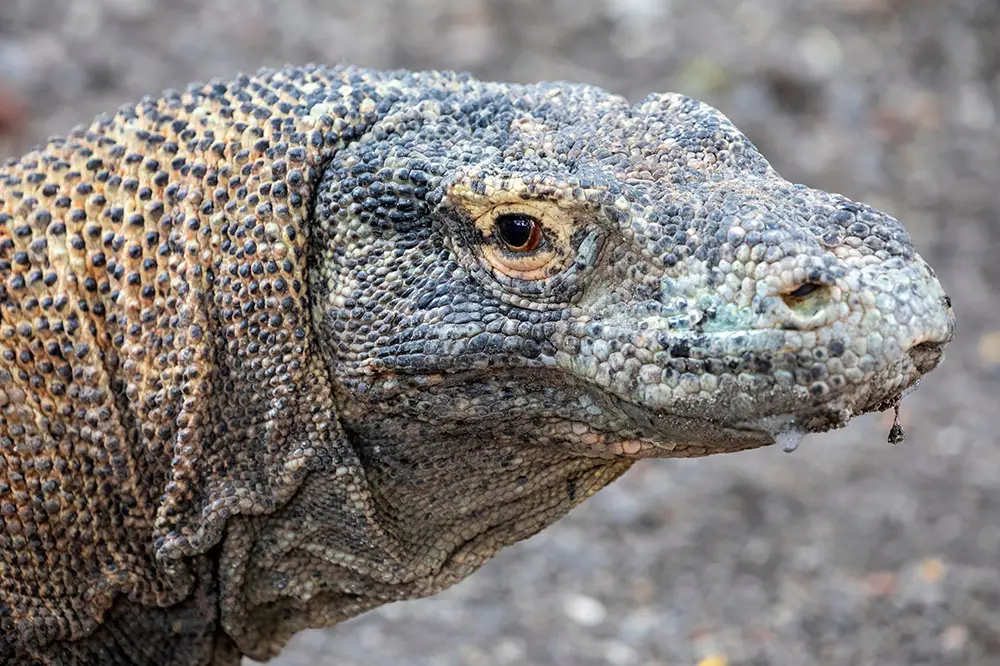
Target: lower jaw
{"x":640,"y":448}
{"x":786,"y":426}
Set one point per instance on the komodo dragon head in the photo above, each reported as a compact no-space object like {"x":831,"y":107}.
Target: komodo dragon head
{"x":519,"y":290}
{"x":547,"y":267}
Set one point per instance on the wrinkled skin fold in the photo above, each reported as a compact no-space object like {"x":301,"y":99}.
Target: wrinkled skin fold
{"x":274,"y":352}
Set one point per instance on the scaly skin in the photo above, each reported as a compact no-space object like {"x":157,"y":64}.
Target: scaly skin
{"x":273,"y":355}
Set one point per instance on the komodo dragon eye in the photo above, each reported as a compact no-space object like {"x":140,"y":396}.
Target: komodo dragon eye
{"x":535,"y":238}
{"x":519,"y":232}
{"x":526,"y":240}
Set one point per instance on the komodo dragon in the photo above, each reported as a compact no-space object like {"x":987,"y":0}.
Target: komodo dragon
{"x":281,"y":349}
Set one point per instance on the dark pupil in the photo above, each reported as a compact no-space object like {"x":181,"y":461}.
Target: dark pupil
{"x":515,"y":229}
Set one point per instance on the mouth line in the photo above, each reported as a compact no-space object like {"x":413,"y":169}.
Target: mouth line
{"x":779,"y":420}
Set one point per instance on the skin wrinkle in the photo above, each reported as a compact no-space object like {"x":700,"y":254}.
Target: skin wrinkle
{"x":264,"y":367}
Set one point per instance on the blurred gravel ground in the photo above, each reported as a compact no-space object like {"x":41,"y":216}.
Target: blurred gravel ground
{"x":850,"y":551}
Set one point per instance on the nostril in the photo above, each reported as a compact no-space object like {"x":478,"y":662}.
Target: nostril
{"x":805,"y":290}
{"x":807,"y":299}
{"x":926,"y":355}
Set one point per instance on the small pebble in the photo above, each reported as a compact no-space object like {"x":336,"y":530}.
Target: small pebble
{"x":584,"y":610}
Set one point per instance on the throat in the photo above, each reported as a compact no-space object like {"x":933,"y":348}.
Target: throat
{"x":469,"y":493}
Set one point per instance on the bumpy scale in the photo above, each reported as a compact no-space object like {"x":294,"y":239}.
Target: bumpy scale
{"x":278,"y":350}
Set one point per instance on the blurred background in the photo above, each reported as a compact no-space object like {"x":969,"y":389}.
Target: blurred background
{"x":851,"y":550}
